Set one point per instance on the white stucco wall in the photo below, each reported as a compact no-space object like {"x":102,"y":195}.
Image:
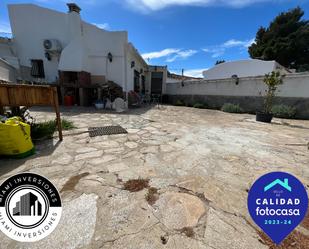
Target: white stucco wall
{"x":241,"y":68}
{"x":31,"y":25}
{"x":7,"y":72}
{"x":139,"y":64}
{"x":98,"y":44}
{"x":85,"y":46}
{"x":74,"y":57}
{"x":172,"y":80}
{"x":295,"y":85}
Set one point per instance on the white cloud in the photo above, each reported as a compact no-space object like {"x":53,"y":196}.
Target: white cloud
{"x":250,"y":42}
{"x":215,"y":51}
{"x":154,"y":5}
{"x":182,"y":55}
{"x":219,"y":50}
{"x":236,"y":43}
{"x":197,"y":73}
{"x":102,"y":25}
{"x":159,"y":54}
{"x":171,"y":53}
{"x":5,"y":28}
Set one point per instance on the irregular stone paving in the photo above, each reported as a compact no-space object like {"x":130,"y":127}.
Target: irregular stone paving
{"x":201,"y":161}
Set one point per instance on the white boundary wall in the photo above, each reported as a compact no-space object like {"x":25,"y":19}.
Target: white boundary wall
{"x":295,"y":86}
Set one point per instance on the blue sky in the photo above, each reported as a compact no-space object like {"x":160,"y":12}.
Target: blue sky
{"x":183,"y":34}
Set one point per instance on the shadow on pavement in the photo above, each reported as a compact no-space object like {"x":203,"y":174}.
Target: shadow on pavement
{"x":43,"y":148}
{"x":77,"y":110}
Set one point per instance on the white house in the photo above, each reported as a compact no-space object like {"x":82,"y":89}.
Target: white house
{"x":243,"y":68}
{"x":52,"y":46}
{"x":7,"y":71}
{"x":9,"y":64}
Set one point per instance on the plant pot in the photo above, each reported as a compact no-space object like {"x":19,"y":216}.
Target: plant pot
{"x":68,"y":100}
{"x":264,"y":117}
{"x":99,"y":104}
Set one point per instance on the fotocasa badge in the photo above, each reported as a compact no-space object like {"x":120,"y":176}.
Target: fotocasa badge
{"x":278,"y":202}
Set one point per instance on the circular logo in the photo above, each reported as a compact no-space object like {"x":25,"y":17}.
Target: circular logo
{"x":30,"y":207}
{"x":278,"y":203}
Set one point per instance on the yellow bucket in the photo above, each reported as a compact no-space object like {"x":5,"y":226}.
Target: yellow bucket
{"x":15,"y":139}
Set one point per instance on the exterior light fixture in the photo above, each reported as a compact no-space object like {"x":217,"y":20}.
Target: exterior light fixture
{"x":110,"y":57}
{"x":132,"y":64}
{"x":48,"y":56}
{"x":235,"y":77}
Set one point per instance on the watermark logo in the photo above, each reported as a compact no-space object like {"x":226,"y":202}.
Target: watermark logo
{"x":278,"y":202}
{"x":30,"y":207}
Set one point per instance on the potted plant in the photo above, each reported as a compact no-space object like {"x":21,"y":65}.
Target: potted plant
{"x":272,"y":81}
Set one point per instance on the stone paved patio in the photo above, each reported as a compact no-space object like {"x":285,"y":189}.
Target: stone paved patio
{"x":201,"y":161}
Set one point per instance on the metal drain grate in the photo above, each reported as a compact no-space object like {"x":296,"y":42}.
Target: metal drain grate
{"x":106,"y":130}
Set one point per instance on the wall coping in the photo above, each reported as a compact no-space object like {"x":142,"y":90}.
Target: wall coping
{"x":292,"y":75}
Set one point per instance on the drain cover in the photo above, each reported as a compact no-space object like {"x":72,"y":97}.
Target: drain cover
{"x":106,"y":130}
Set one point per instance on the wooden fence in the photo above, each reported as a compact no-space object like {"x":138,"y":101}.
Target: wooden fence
{"x":31,"y":95}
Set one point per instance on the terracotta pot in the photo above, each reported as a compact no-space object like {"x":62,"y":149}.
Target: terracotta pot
{"x":68,"y":100}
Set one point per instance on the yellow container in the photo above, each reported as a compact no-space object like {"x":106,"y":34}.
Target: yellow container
{"x":15,"y":139}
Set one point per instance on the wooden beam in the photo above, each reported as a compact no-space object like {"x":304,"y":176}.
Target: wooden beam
{"x":58,"y":119}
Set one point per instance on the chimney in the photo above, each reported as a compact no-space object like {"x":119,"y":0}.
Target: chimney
{"x":73,"y":7}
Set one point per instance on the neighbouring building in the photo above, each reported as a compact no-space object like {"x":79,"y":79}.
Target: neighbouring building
{"x":175,"y":78}
{"x":9,"y":66}
{"x":243,"y":68}
{"x":158,"y":76}
{"x":56,"y":47}
{"x":7,"y":71}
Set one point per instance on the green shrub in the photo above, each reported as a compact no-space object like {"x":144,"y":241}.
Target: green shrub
{"x":47,"y":129}
{"x":199,"y":105}
{"x":67,"y":124}
{"x":283,"y":111}
{"x":179,"y":103}
{"x":228,"y":107}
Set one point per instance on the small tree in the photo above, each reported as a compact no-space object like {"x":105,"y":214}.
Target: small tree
{"x":272,"y":81}
{"x":285,"y":40}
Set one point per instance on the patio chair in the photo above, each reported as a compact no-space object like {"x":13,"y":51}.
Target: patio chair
{"x":147,"y":99}
{"x":156,"y":99}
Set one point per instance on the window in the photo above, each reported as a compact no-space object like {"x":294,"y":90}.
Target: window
{"x":37,"y":69}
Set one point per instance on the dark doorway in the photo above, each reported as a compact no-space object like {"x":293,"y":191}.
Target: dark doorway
{"x":156,"y":82}
{"x":143,"y":90}
{"x":136,"y":82}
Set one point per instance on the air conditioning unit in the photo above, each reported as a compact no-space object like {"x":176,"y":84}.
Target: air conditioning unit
{"x":52,"y":45}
